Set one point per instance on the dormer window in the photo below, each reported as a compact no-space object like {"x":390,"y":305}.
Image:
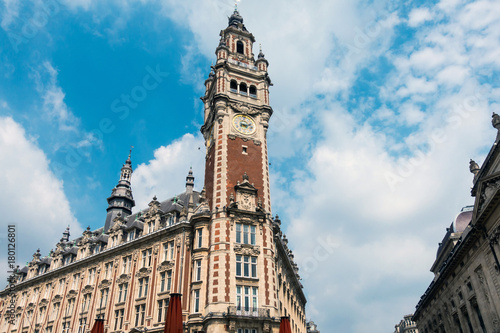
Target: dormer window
{"x":239,"y":47}
{"x":243,"y":89}
{"x":233,"y":86}
{"x":253,"y":91}
{"x":131,"y":234}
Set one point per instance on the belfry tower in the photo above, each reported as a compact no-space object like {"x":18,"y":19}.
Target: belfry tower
{"x":239,"y":255}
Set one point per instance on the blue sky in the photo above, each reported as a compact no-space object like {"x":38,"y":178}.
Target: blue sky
{"x":378,"y":107}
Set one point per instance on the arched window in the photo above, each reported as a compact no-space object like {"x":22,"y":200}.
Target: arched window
{"x":239,"y":47}
{"x":243,"y":89}
{"x":253,"y":91}
{"x":233,"y":86}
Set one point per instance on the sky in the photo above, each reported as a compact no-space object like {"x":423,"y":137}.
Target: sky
{"x":378,"y":107}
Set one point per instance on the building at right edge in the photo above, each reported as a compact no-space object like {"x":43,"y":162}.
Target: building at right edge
{"x":465,"y":293}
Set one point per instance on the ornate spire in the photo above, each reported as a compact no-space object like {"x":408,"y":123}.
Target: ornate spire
{"x":65,"y":237}
{"x":190,"y":180}
{"x":236,"y":20}
{"x":121,"y":199}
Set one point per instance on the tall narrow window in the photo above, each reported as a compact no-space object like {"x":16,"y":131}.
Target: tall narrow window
{"x":143,"y":287}
{"x":171,"y":250}
{"x":243,"y":89}
{"x":76,"y":279}
{"x":108,"y":268}
{"x":104,"y":298}
{"x":196,"y":300}
{"x":81,"y":325}
{"x":119,"y":319}
{"x":140,"y":311}
{"x":200,"y":237}
{"x":122,"y":292}
{"x":162,"y":309}
{"x":479,"y":317}
{"x":126,"y":264}
{"x":91,"y":276}
{"x":233,"y":86}
{"x":146,"y":257}
{"x":162,"y":281}
{"x":253,"y":91}
{"x":197,"y":270}
{"x":239,"y":47}
{"x":169,"y":280}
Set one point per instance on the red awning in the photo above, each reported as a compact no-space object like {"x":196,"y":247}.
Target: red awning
{"x":285,"y":325}
{"x":173,"y":323}
{"x":98,"y":326}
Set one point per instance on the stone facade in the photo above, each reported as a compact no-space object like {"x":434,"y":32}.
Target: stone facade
{"x":221,"y":248}
{"x":406,"y":325}
{"x":465,"y":293}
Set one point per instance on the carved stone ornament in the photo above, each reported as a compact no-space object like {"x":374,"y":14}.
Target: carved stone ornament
{"x":247,"y":250}
{"x":56,"y":298}
{"x":71,"y":294}
{"x":43,"y":302}
{"x":143,"y":272}
{"x":104,"y":284}
{"x":124,"y":278}
{"x":88,"y":289}
{"x":489,"y":189}
{"x":266,"y":328}
{"x":232,"y":326}
{"x":243,"y":108}
{"x":165,"y":266}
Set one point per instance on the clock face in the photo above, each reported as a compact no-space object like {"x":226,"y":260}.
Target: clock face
{"x":244,"y":124}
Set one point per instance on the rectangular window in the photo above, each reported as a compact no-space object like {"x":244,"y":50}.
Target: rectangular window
{"x":104,"y":298}
{"x":245,"y":234}
{"x":81,"y":325}
{"x":69,"y":307}
{"x":140,"y":311}
{"x":147,"y":257}
{"x":165,"y":251}
{"x":48,"y":289}
{"x":246,"y":266}
{"x":91,"y":276}
{"x":162,"y":310}
{"x":86,"y":302}
{"x":247,"y":298}
{"x":143,"y":286}
{"x":126,"y":264}
{"x":55,"y":311}
{"x":131,"y":235}
{"x":65,"y":327}
{"x":122,"y":292}
{"x":119,"y":319}
{"x":200,"y":238}
{"x":76,"y":278}
{"x":108,"y":269}
{"x":162,"y":281}
{"x":196,"y":300}
{"x":171,"y":250}
{"x":61,"y":285}
{"x":198,"y":270}
{"x":247,"y":330}
{"x":169,"y":280}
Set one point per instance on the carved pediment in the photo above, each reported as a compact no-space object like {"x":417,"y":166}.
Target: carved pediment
{"x":88,"y":289}
{"x":488,"y":189}
{"x":165,"y":266}
{"x":104,"y":284}
{"x":246,"y":249}
{"x":43,"y":302}
{"x":143,"y":272}
{"x":244,"y":108}
{"x":56,"y":298}
{"x":124,"y":278}
{"x":71,"y":294}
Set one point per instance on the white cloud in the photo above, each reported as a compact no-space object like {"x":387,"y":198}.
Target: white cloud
{"x":418,"y":16}
{"x":165,"y":175}
{"x":32,"y":198}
